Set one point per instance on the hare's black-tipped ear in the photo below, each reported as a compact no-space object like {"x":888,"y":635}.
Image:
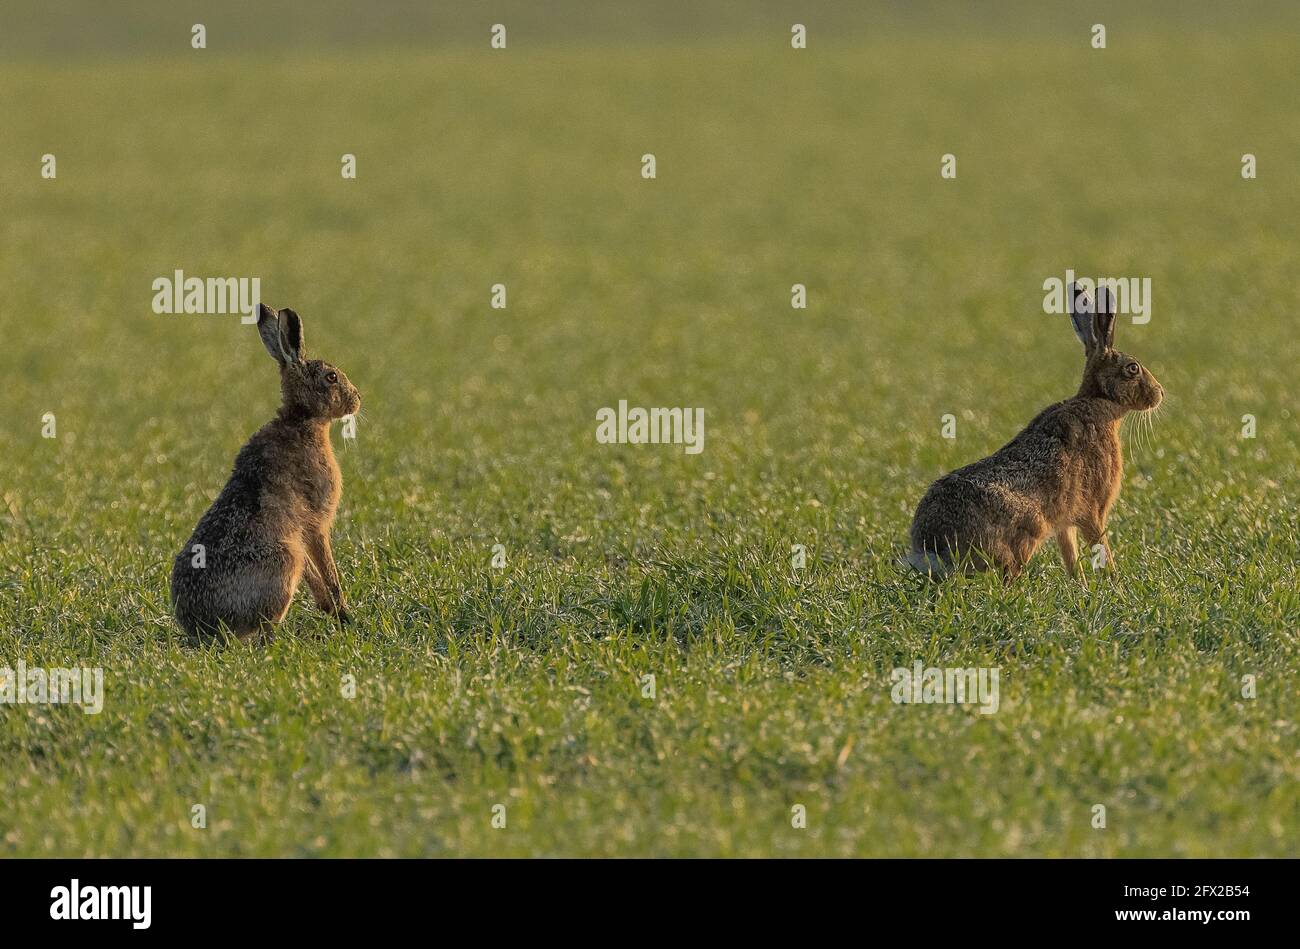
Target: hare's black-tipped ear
{"x":1103,"y":320}
{"x":268,"y":327}
{"x":1081,"y":307}
{"x":291,"y":336}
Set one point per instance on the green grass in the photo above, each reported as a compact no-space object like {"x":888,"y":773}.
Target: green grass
{"x":521,"y":686}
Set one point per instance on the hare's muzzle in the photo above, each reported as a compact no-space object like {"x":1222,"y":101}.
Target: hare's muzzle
{"x":1155,"y":393}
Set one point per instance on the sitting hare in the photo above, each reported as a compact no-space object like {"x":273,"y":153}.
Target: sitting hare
{"x":270,"y":525}
{"x":1062,"y":472}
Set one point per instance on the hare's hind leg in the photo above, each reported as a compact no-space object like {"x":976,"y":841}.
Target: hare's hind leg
{"x":1002,"y":557}
{"x":1010,"y":554}
{"x":260,"y":595}
{"x":1030,"y":529}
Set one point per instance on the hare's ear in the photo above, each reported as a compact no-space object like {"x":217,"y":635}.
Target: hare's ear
{"x":1080,"y":304}
{"x":268,"y":327}
{"x":291,"y":336}
{"x":1103,"y":320}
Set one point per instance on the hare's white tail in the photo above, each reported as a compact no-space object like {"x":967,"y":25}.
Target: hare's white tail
{"x":929,"y":563}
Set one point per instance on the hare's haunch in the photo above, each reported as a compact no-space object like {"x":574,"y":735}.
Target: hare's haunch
{"x":270,"y":526}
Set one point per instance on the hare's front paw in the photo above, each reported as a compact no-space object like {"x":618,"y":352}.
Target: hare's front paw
{"x":343,"y":616}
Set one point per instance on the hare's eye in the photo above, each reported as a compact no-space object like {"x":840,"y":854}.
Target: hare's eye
{"x":331,"y":377}
{"x":1132,"y":369}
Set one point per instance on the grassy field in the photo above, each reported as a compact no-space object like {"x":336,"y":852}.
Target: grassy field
{"x":522,"y":686}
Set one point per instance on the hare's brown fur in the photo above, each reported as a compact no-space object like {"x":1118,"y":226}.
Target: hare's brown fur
{"x":1061,"y":473}
{"x":270,"y":526}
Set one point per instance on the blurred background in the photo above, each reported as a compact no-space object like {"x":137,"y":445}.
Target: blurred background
{"x":522,"y":166}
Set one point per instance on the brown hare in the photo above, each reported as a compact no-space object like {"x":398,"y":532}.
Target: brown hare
{"x":270,"y":526}
{"x":1061,"y":473}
